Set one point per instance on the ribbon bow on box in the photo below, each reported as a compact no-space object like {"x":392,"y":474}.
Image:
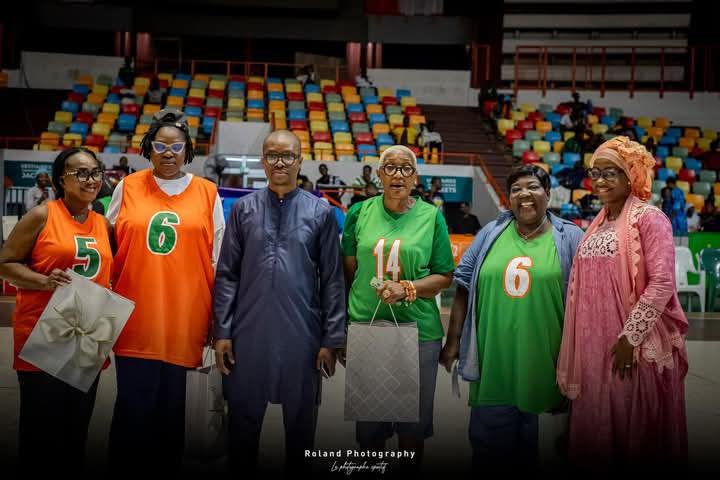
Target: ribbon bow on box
{"x":93,"y":336}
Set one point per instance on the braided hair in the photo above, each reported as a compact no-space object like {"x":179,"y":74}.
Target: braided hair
{"x":168,"y":118}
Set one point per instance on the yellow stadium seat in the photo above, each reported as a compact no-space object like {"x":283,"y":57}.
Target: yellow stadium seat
{"x":342,"y":137}
{"x":318,"y":126}
{"x":408,"y":102}
{"x":315,"y":115}
{"x":558,"y":147}
{"x":354,"y":98}
{"x":142,"y":129}
{"x":643,"y":139}
{"x":599,"y":128}
{"x":106,"y":118}
{"x":541,"y":147}
{"x":165,"y":76}
{"x":697,"y":201}
{"x":716,"y":191}
{"x":327,"y":83}
{"x":150,"y":109}
{"x":307,"y":157}
{"x":505,"y":124}
{"x":704,"y":143}
{"x":592,"y":119}
{"x":336,"y":107}
{"x":325,"y":156}
{"x":568,"y":135}
{"x":192,"y":122}
{"x":140,"y":91}
{"x":674,"y":163}
{"x":544,"y":166}
{"x":348,"y":90}
{"x":655,"y":132}
{"x":255,"y":95}
{"x":684,"y":186}
{"x":276,"y":104}
{"x":64,"y":117}
{"x":96,"y":98}
{"x":417,"y":119}
{"x":111,"y":108}
{"x":692,"y":133}
{"x":396,"y":120}
{"x":280,"y":124}
{"x":101,"y":89}
{"x":344,"y":148}
{"x":293,"y":88}
{"x":371,"y":159}
{"x":662,"y":122}
{"x":374,"y":108}
{"x":255,"y":114}
{"x":314,"y":97}
{"x":303,"y":135}
{"x":72,"y":140}
{"x":380,"y":128}
{"x":518,"y":115}
{"x":236,"y":105}
{"x":136,"y":141}
{"x":256,"y":79}
{"x":101,"y":129}
{"x":275,"y":87}
{"x":43,"y":148}
{"x":85,"y":79}
{"x":385,"y":92}
{"x":197,"y":92}
{"x":180,"y":83}
{"x":578,"y":194}
{"x":528,"y":107}
{"x":644,"y":122}
{"x":142,"y":82}
{"x":322,"y":146}
{"x":586,"y":159}
{"x":543,"y":127}
{"x":710,"y":133}
{"x":687,"y":142}
{"x":50,"y":138}
{"x":216,"y":85}
{"x":173,"y":101}
{"x":278,"y":113}
{"x":202,"y":77}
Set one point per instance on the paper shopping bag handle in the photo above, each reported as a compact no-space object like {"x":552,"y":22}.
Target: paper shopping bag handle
{"x":391,"y":311}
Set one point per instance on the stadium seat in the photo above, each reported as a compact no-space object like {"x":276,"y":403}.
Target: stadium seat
{"x":528,"y":156}
{"x":702,"y":188}
{"x":380,"y":128}
{"x":102,"y":129}
{"x":551,"y":158}
{"x":686,"y":142}
{"x":71,"y":140}
{"x":540,"y":147}
{"x":532,"y":136}
{"x":679,"y":152}
{"x":520,"y":146}
{"x":364,"y":137}
{"x":106,"y":118}
{"x":360,"y":128}
{"x":570,"y":158}
{"x":662,"y":122}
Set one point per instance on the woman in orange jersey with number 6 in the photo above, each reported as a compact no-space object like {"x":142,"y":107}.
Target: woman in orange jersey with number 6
{"x":50,"y":238}
{"x":506,"y":322}
{"x":168,"y":228}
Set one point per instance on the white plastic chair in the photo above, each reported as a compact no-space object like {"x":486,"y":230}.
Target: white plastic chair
{"x":684,"y":265}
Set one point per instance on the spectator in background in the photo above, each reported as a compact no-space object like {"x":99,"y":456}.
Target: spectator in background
{"x":406,"y":135}
{"x":40,"y":193}
{"x":362,"y":80}
{"x":693,"y":219}
{"x":126,"y":74}
{"x":307,"y":185}
{"x":467,"y":223}
{"x":420,"y":193}
{"x":430,"y":137}
{"x":331,"y":182}
{"x":369,"y":191}
{"x":123,"y":166}
{"x":674,"y":207}
{"x":366,"y":179}
{"x":155,"y":94}
{"x":650,"y":145}
{"x":578,"y":107}
{"x":567,"y":122}
{"x":436,"y":196}
{"x":307,"y":75}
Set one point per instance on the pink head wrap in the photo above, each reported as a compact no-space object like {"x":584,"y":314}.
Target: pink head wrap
{"x":633,"y":159}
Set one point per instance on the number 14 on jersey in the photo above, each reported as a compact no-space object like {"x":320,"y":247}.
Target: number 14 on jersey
{"x":393,"y":260}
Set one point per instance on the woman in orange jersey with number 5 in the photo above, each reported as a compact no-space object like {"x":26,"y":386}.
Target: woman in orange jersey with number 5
{"x":50,"y":238}
{"x":168,"y":229}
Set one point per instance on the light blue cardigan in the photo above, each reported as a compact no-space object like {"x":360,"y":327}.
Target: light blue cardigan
{"x":566,"y":236}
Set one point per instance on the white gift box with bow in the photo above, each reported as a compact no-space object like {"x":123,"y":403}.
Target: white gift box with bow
{"x":76,"y":332}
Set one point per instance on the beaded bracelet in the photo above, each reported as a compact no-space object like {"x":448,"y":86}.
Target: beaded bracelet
{"x":410,"y":291}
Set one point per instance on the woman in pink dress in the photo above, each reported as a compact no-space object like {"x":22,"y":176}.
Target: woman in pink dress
{"x":622,"y":359}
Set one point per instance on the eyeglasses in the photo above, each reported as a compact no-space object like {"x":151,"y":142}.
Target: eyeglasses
{"x":608,"y":174}
{"x":287,"y":159}
{"x":405,"y":170}
{"x":84,"y":175}
{"x":162,"y":147}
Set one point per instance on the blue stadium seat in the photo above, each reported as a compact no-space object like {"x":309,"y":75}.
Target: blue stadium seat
{"x":191,"y":111}
{"x":312,"y":88}
{"x":126,"y":122}
{"x":177,"y":92}
{"x":364,"y":149}
{"x":608,"y":120}
{"x":274,"y":80}
{"x":338,"y":126}
{"x":674,"y":132}
{"x":664,"y":173}
{"x":255,"y":103}
{"x":207,"y":125}
{"x":68,"y":106}
{"x":400,"y":93}
{"x":113,"y":98}
{"x":385,"y":139}
{"x":111,"y":149}
{"x":297,"y":115}
{"x":668,"y":140}
{"x":81,"y":89}
{"x":662,"y":152}
{"x":80,"y":128}
{"x":570,"y":159}
{"x":354,"y":108}
{"x":558,"y":167}
{"x":377,"y":118}
{"x":235,"y":85}
{"x":183,"y":76}
{"x":276,"y":96}
{"x":552,"y":137}
{"x":693,"y":164}
{"x":553,"y":118}
{"x":370,"y":99}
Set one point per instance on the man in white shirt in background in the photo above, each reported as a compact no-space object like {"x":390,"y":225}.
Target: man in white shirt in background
{"x":40,"y":193}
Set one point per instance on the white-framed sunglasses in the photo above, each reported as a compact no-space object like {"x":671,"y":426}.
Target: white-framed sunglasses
{"x":162,"y":147}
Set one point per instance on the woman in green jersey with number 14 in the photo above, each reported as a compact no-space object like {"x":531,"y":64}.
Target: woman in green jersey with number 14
{"x":405,"y":244}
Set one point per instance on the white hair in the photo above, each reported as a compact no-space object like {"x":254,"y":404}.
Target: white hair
{"x":399,"y":149}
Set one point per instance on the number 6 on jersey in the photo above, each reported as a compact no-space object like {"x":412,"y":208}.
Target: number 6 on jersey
{"x":161,"y":234}
{"x":393,"y":260}
{"x":517,"y":278}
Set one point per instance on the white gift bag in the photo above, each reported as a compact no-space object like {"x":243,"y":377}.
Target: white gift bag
{"x":76,"y":332}
{"x":205,"y":415}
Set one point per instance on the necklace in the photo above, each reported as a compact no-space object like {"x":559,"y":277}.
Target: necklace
{"x":526,"y":237}
{"x":81,"y":217}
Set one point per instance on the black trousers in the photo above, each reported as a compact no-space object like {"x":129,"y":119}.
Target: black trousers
{"x":54,"y":420}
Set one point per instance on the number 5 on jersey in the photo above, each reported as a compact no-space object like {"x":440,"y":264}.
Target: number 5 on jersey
{"x":161,"y":234}
{"x":393,"y":260}
{"x":517,"y":277}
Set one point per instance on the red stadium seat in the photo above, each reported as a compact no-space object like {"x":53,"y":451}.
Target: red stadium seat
{"x":389,"y":101}
{"x":330,"y":89}
{"x":524,"y":125}
{"x":345,"y":83}
{"x":587,"y":184}
{"x":85,"y":117}
{"x":357,"y":117}
{"x":686,"y":175}
{"x":133,"y":150}
{"x":529,"y":156}
{"x":298,"y":125}
{"x":562,"y":109}
{"x":216,"y":93}
{"x":599,"y":112}
{"x":195,"y":102}
{"x":512,"y":135}
{"x":212,"y":112}
{"x":322,"y":137}
{"x":489,"y":106}
{"x":415,"y":150}
{"x":130,"y":108}
{"x":255,"y":86}
{"x":629,"y":122}
{"x":413,"y":111}
{"x":163,"y":83}
{"x":295,"y":97}
{"x":316,"y":106}
{"x":236,"y":78}
{"x":95,"y":141}
{"x":76,"y":97}
{"x":364,"y":138}
{"x":535,"y":116}
{"x":116,"y":89}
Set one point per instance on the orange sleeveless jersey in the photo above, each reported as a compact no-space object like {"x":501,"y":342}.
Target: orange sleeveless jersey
{"x":164,"y":264}
{"x":63,"y":243}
